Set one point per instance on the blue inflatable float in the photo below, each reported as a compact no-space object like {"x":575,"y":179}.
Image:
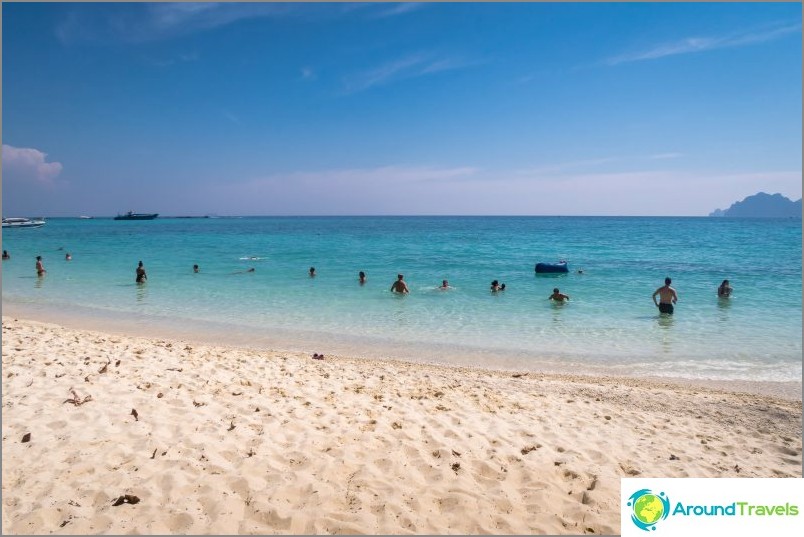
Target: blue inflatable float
{"x":561,"y":266}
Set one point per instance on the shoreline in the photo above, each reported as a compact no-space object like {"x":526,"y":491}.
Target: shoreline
{"x":202,"y":332}
{"x":235,"y":440}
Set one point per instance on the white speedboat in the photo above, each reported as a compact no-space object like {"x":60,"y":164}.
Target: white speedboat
{"x":22,"y":222}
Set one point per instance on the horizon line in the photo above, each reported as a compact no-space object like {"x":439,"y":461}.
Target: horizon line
{"x":218,"y":216}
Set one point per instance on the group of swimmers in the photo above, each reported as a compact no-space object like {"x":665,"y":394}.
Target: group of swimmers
{"x":668,"y":297}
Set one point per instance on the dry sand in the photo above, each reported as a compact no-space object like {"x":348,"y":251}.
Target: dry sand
{"x":236,"y":441}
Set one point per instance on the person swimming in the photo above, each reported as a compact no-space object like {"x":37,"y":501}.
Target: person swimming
{"x":68,"y":257}
{"x":196,"y":269}
{"x":312,"y":272}
{"x":558,"y":296}
{"x":244,"y":271}
{"x":361,"y":277}
{"x":445,"y":285}
{"x":6,"y":255}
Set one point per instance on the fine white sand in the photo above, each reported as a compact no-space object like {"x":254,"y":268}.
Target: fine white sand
{"x":230,"y":440}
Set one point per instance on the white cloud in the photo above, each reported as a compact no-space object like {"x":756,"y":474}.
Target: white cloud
{"x":173,"y":60}
{"x":699,"y":44}
{"x":382,"y":74}
{"x":231,"y":117}
{"x":662,"y":156}
{"x":399,"y":9}
{"x":379,"y":190}
{"x":412,"y":66}
{"x":307,"y":73}
{"x":155,"y":21}
{"x":28,"y":164}
{"x":445,"y":190}
{"x":386,"y":175}
{"x":564,"y":166}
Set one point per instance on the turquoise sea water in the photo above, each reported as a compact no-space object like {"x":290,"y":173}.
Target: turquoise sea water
{"x":609,"y":325}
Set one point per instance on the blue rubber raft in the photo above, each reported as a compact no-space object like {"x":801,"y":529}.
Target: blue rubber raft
{"x":544,"y":268}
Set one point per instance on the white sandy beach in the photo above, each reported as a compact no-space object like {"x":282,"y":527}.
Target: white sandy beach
{"x":230,"y":440}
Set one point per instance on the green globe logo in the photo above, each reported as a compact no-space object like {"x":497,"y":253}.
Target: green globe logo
{"x":648,"y":508}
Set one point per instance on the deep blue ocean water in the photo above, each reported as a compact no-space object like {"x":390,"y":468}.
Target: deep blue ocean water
{"x":610,"y":323}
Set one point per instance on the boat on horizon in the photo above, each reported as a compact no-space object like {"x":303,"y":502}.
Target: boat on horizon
{"x":136,"y":216}
{"x":82,"y":217}
{"x":22,"y":222}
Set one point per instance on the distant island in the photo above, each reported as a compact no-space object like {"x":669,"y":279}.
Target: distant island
{"x":762,"y":205}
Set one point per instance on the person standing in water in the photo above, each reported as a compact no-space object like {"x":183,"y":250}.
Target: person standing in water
{"x":361,"y":277}
{"x":40,"y":268}
{"x":497,"y":286}
{"x":141,"y":276}
{"x":667,"y":297}
{"x":399,"y":286}
{"x":312,"y":272}
{"x":724,"y":290}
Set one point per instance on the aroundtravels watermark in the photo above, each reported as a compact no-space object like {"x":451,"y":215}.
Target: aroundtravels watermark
{"x":680,"y":505}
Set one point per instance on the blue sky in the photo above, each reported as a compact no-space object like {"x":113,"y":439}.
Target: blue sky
{"x":399,"y":108}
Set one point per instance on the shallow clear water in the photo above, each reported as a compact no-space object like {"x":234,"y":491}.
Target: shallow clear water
{"x":610,"y":324}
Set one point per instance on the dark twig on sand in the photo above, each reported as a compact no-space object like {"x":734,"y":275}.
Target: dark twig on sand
{"x":76,"y":399}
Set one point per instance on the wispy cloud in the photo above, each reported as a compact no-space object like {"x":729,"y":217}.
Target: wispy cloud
{"x":156,"y":21}
{"x":28,"y":164}
{"x":418,"y":189}
{"x":466,"y":189}
{"x":382,"y":175}
{"x":307,"y":73}
{"x":398,"y":9}
{"x":700,"y":44}
{"x":587,"y":163}
{"x":231,"y":117}
{"x":173,"y":60}
{"x":411,"y":66}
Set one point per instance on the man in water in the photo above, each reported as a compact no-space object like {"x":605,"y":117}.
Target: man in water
{"x":399,"y":286}
{"x":667,"y":297}
{"x":141,"y":276}
{"x":312,"y":272}
{"x":361,"y":277}
{"x":724,"y":291}
{"x":196,"y":269}
{"x":444,"y":285}
{"x":5,"y":255}
{"x":40,"y":268}
{"x":558,"y":296}
{"x":68,"y":257}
